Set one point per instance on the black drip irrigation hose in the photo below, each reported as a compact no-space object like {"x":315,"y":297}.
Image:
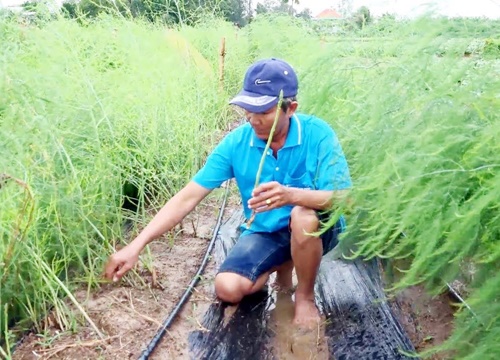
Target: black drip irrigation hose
{"x":166,"y":324}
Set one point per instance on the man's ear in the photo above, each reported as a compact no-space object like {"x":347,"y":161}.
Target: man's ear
{"x":292,"y":108}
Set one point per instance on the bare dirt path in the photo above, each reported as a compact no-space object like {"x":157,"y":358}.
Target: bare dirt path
{"x":130,"y":313}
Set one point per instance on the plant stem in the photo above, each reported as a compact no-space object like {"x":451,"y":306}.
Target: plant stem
{"x":264,"y":154}
{"x":6,"y":353}
{"x":18,"y":233}
{"x":68,"y":292}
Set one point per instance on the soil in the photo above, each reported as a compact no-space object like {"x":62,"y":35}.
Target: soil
{"x":426,"y":319}
{"x":291,"y":344}
{"x":130,"y":313}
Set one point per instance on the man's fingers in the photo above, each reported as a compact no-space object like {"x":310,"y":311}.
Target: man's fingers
{"x":265,"y":199}
{"x":123,"y":269}
{"x":113,"y":269}
{"x":110,"y":269}
{"x":116,"y":273}
{"x":273,"y":203}
{"x":264,"y":187}
{"x":262,"y":197}
{"x":258,"y":202}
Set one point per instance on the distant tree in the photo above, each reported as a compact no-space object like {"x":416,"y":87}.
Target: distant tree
{"x":386,"y":23}
{"x":362,"y":17}
{"x":92,"y":8}
{"x":345,"y":8}
{"x":29,"y":5}
{"x":238,"y":12}
{"x":290,"y":4}
{"x":275,"y":6}
{"x":38,"y":10}
{"x":234,"y":11}
{"x":248,"y":9}
{"x":165,"y":11}
{"x":262,"y":9}
{"x":305,"y":14}
{"x":89,"y":8}
{"x":388,"y":17}
{"x":69,"y":9}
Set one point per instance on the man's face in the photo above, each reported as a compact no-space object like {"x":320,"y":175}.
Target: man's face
{"x":263,"y":122}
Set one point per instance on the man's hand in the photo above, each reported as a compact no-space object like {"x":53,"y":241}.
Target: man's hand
{"x":269,"y":196}
{"x":170,"y":215}
{"x":121,"y":262}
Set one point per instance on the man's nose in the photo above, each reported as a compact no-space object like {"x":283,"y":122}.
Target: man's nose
{"x":254,"y":119}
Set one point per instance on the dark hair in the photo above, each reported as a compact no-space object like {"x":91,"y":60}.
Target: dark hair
{"x":285,"y":104}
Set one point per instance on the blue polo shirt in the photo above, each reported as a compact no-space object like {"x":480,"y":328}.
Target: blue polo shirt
{"x":312,"y":158}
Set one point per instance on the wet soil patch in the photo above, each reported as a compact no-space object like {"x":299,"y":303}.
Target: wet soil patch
{"x":428,"y":320}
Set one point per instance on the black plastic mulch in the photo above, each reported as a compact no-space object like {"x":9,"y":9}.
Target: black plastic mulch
{"x":360,"y":323}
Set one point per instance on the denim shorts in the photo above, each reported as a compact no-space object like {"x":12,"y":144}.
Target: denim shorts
{"x":257,"y":253}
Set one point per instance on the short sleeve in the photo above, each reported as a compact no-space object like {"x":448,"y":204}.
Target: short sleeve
{"x":218,"y":166}
{"x":332,"y":169}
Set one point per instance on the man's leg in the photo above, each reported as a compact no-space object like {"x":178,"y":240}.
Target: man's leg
{"x":250,"y":262}
{"x":284,"y":281}
{"x":307,"y":252}
{"x":231,"y":287}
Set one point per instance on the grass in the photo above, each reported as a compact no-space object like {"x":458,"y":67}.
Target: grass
{"x":88,"y":108}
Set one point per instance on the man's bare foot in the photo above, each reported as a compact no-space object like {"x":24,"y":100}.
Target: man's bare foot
{"x":306,"y":313}
{"x":284,"y":281}
{"x":287,"y":289}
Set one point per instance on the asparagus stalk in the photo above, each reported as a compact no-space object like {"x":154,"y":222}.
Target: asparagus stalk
{"x":263,"y":157}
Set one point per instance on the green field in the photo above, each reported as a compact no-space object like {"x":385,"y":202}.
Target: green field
{"x":88,"y":107}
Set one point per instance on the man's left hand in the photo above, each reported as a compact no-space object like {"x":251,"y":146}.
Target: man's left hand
{"x":269,"y":196}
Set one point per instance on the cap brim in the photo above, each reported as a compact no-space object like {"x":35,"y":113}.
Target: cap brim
{"x":254,"y":102}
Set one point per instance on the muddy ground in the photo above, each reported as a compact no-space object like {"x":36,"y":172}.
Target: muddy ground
{"x":428,"y":320}
{"x":130,"y":313}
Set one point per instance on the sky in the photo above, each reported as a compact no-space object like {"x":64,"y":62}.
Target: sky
{"x":473,"y":8}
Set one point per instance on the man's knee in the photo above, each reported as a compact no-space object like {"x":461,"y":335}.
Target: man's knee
{"x":303,"y":222}
{"x":231,"y":287}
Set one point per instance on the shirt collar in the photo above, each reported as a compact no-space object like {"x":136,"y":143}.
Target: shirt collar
{"x":293,"y":138}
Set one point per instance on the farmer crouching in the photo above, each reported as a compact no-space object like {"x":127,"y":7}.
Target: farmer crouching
{"x":303,"y":171}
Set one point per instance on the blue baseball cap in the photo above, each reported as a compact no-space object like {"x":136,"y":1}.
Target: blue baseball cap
{"x":262,"y":85}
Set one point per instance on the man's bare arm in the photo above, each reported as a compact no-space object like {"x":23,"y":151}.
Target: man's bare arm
{"x":273,"y":195}
{"x":316,"y":199}
{"x":170,"y":215}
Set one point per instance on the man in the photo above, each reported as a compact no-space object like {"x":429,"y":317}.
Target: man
{"x":304,"y":170}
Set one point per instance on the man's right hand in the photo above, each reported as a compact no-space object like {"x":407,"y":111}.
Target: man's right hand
{"x":121,"y":262}
{"x":170,"y":215}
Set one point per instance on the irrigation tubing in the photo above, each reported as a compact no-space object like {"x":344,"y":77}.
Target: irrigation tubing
{"x":166,"y":324}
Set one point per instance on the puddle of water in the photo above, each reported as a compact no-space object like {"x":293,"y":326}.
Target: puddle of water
{"x":290,"y":343}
